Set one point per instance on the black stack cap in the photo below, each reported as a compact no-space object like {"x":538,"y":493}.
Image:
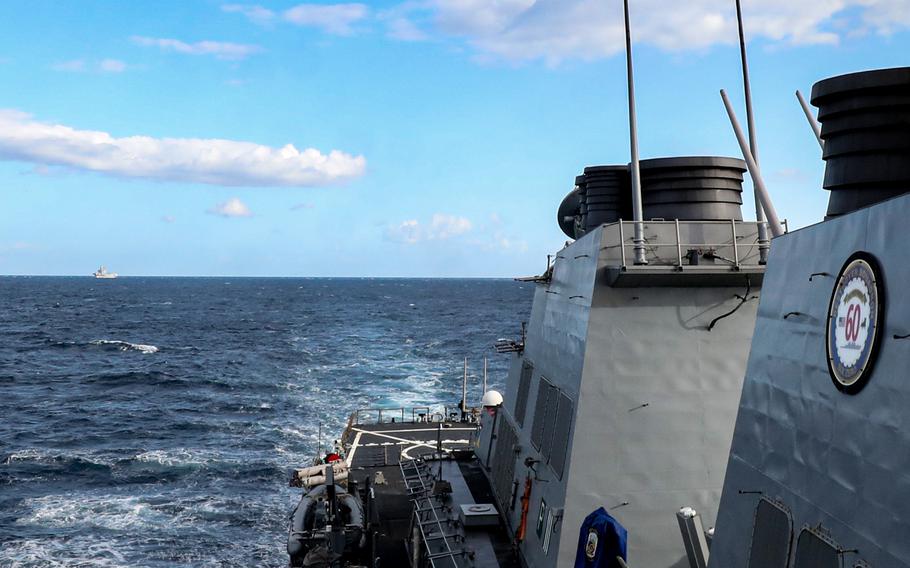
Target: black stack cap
{"x":865,"y":120}
{"x":692,"y":188}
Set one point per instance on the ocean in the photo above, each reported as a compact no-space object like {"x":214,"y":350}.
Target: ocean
{"x":155,"y":421}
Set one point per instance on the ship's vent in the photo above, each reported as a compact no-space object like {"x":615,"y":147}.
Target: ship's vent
{"x":563,"y":422}
{"x":605,"y":195}
{"x":771,"y":536}
{"x":546,"y":444}
{"x":504,"y":462}
{"x":814,"y":550}
{"x":698,"y":188}
{"x":546,"y":400}
{"x":865,"y":121}
{"x":524,"y":386}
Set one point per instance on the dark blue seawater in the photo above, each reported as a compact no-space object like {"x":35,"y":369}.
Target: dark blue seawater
{"x":154,"y":421}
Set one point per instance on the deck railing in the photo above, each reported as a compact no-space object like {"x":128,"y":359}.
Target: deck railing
{"x":387,"y":415}
{"x":732,"y":242}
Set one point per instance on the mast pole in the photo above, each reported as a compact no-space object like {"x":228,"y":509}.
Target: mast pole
{"x":811,"y":118}
{"x":753,"y":142}
{"x":484,"y":375}
{"x":776,"y":228}
{"x":638,"y":239}
{"x":464,"y":391}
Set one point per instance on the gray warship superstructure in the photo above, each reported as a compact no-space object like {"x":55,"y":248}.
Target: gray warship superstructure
{"x":819,"y":472}
{"x":625,"y":390}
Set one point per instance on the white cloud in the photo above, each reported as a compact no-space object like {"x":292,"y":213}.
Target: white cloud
{"x":447,"y":226}
{"x":332,"y":18}
{"x":80,"y":65}
{"x":494,"y":237}
{"x":440,"y":227}
{"x":74,"y":65}
{"x":254,"y":13}
{"x":558,"y":30}
{"x":403,"y":29}
{"x":194,"y":160}
{"x":168,"y":218}
{"x":409,"y":232}
{"x":335,"y":19}
{"x":219,"y":49}
{"x":112,"y":66}
{"x":18,"y":246}
{"x":233,"y":207}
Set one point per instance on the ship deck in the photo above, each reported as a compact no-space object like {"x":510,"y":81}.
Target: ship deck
{"x":375,"y":451}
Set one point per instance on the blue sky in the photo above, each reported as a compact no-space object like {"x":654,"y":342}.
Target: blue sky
{"x":415,"y":138}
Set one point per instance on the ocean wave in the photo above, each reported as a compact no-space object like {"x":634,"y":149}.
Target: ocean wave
{"x":63,"y":552}
{"x":99,"y":511}
{"x":125,"y":345}
{"x":177,"y":457}
{"x":69,"y":461}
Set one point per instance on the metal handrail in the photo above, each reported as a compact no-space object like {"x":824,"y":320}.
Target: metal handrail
{"x":733,"y":243}
{"x":426,"y":519}
{"x":358,"y":416}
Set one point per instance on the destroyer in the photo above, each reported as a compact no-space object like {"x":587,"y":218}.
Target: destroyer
{"x":625,"y":383}
{"x":623,"y":388}
{"x":622,"y":392}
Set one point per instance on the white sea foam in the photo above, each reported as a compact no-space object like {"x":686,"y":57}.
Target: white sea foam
{"x":48,"y":456}
{"x":102,"y":511}
{"x":126,"y":345}
{"x":63,"y":552}
{"x":177,"y":457}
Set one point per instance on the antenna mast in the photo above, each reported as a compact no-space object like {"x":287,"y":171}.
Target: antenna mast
{"x":638,"y":238}
{"x":753,"y":143}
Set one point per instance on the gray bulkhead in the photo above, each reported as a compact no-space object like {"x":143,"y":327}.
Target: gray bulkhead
{"x":653,"y":394}
{"x":839,"y":463}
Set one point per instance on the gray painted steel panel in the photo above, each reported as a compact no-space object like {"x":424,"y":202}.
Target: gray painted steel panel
{"x":648,"y":345}
{"x":836,"y":460}
{"x":659,"y":397}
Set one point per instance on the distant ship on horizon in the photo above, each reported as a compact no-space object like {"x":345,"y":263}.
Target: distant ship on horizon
{"x":103,"y":273}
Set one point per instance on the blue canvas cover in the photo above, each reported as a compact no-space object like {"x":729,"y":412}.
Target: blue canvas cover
{"x":600,"y":540}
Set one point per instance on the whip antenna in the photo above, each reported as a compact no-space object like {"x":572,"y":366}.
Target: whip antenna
{"x":638,"y":238}
{"x":753,"y":143}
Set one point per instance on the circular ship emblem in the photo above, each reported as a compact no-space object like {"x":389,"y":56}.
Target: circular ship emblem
{"x":853,"y":323}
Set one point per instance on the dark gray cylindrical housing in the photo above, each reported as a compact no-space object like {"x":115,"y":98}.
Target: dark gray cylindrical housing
{"x":568,"y":211}
{"x":606,"y":195}
{"x":865,"y":123}
{"x":695,"y":188}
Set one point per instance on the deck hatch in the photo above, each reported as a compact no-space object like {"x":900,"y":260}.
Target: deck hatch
{"x":562,"y":425}
{"x":772,"y":535}
{"x":815,"y":550}
{"x":539,"y":429}
{"x":524,"y":386}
